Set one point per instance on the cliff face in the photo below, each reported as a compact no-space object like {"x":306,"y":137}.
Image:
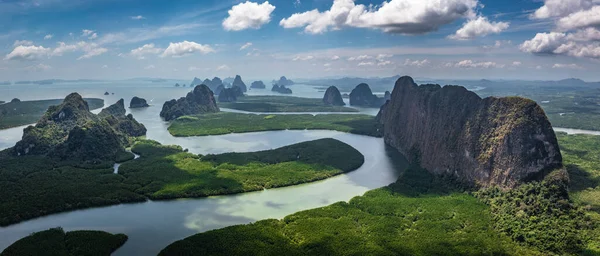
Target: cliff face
{"x":452,"y":131}
{"x":237,"y":82}
{"x":200,"y":100}
{"x":333,"y":97}
{"x":70,"y":131}
{"x":137,"y":102}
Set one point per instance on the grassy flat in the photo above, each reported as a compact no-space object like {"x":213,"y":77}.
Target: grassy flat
{"x":33,"y":186}
{"x":225,"y":123}
{"x":282,"y":104}
{"x":15,"y":114}
{"x":56,"y":242}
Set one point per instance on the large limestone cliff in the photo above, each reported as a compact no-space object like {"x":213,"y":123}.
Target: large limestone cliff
{"x":200,"y":100}
{"x":452,"y":131}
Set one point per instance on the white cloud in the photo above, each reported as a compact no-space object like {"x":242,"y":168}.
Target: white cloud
{"x":394,"y":16}
{"x":136,"y":35}
{"x":543,"y":42}
{"x":87,"y":32}
{"x":498,"y":44}
{"x":31,"y":52}
{"x":185,"y":48}
{"x":327,"y":65}
{"x":150,"y":67}
{"x":48,"y":36}
{"x":480,"y":26}
{"x":581,"y":19}
{"x":588,"y":34}
{"x":361,"y":57}
{"x":23,"y":42}
{"x":93,"y":36}
{"x":384,"y":63}
{"x":335,"y":57}
{"x":139,"y":17}
{"x":560,"y":8}
{"x":297,"y":3}
{"x":248,"y":15}
{"x":559,"y":43}
{"x":366,"y":64}
{"x":474,"y":64}
{"x":416,"y":63}
{"x":384,"y":56}
{"x":567,"y":66}
{"x":517,"y":63}
{"x":246,"y":45}
{"x":104,"y":66}
{"x":144,"y":50}
{"x":89,"y":49}
{"x":303,"y":58}
{"x":223,"y":67}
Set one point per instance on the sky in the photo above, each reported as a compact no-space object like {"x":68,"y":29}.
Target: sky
{"x":444,"y":39}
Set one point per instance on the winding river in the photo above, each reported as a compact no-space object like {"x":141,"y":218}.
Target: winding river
{"x":152,"y":225}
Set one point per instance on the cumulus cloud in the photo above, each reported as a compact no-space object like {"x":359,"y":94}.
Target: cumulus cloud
{"x":563,"y":44}
{"x":23,"y":42}
{"x":416,"y":63}
{"x":27,"y":52}
{"x":185,"y":48}
{"x":394,"y":16}
{"x":138,"y":17}
{"x":303,"y":58}
{"x":567,"y":66}
{"x":516,"y":63}
{"x":560,"y":8}
{"x":581,"y":19}
{"x":248,"y":15}
{"x":366,"y":64}
{"x":245,"y":46}
{"x":361,"y":57}
{"x":223,"y":67}
{"x":89,"y":49}
{"x":144,"y":50}
{"x":87,"y":32}
{"x":335,"y":57}
{"x":49,"y":36}
{"x":384,"y":63}
{"x":480,"y":26}
{"x":474,"y":64}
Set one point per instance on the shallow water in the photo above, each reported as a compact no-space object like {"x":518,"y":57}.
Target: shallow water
{"x":153,"y":225}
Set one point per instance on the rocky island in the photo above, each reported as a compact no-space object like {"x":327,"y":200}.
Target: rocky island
{"x":196,"y":81}
{"x":137,"y":102}
{"x":281,"y":89}
{"x":71,"y":132}
{"x":200,"y":100}
{"x":452,"y":131}
{"x":258,"y":85}
{"x":333,"y":97}
{"x":237,"y":82}
{"x":283,"y":81}
{"x":362,"y":96}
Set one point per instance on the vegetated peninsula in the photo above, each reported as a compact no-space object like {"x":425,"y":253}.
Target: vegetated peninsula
{"x":200,"y":100}
{"x":281,"y":104}
{"x":226,"y":122}
{"x":452,"y":131}
{"x":17,"y":113}
{"x":56,"y":241}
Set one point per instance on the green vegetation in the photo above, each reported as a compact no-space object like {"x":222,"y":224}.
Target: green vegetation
{"x":57,"y":242}
{"x":168,"y":172}
{"x":417,"y":215}
{"x":33,"y":186}
{"x":224,"y":123}
{"x":282,"y":104}
{"x":15,"y":114}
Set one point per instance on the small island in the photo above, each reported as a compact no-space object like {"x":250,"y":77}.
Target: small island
{"x":56,"y":241}
{"x":106,"y":93}
{"x":138,"y":103}
{"x":258,"y":85}
{"x":333,"y":97}
{"x":283,"y":81}
{"x":281,"y":89}
{"x":200,"y":100}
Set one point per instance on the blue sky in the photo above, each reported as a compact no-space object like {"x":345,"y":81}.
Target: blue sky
{"x":471,"y":39}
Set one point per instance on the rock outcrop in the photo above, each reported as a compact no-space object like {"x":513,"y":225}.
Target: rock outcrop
{"x":106,"y":93}
{"x":281,"y":89}
{"x":283,"y":81}
{"x":71,"y":132}
{"x":196,"y":81}
{"x":177,"y":85}
{"x":237,"y":82}
{"x":258,"y":85}
{"x":362,"y":96}
{"x":228,"y":95}
{"x":333,"y":97}
{"x":452,"y":131}
{"x":200,"y":100}
{"x":137,"y":102}
{"x":15,"y":100}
